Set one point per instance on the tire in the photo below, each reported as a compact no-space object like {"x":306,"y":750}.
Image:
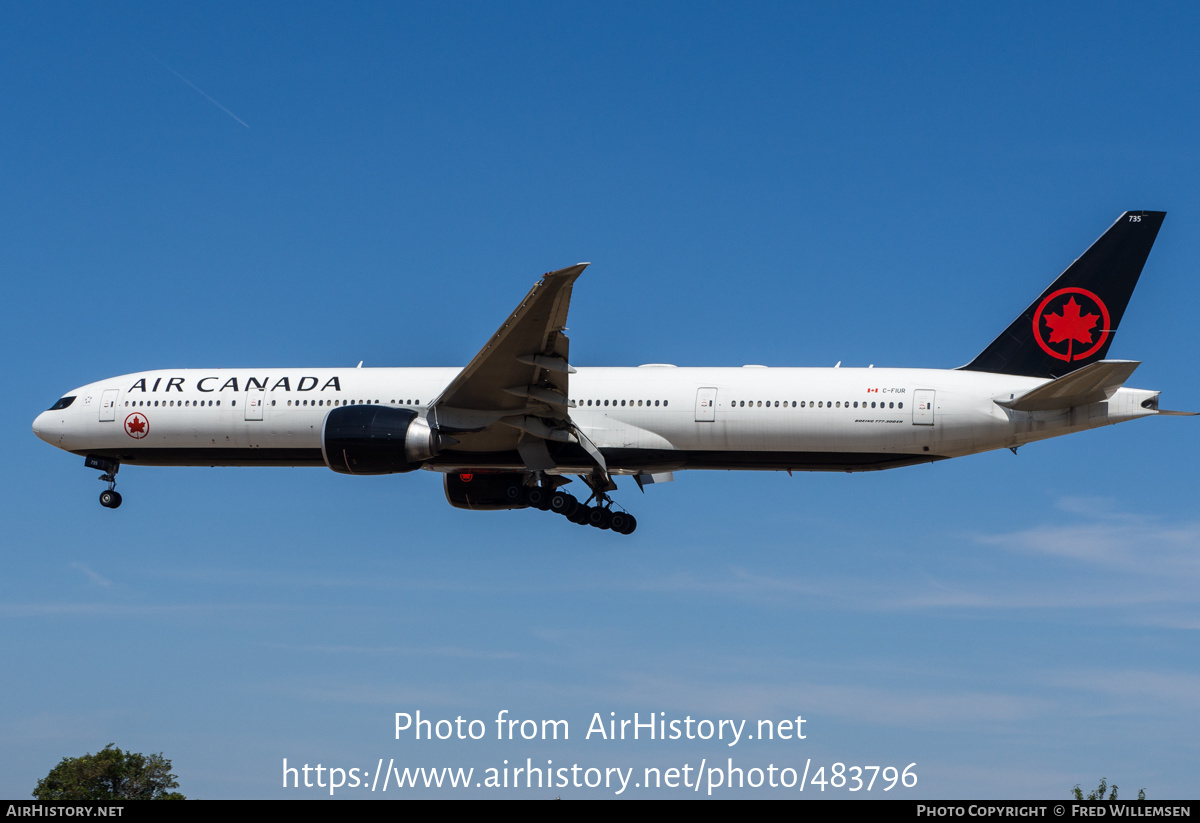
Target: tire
{"x":600,"y":518}
{"x":563,"y":504}
{"x":539,"y":498}
{"x":627,"y":526}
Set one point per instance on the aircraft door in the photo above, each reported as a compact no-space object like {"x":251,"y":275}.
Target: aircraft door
{"x":923,"y":407}
{"x":706,"y":405}
{"x":254,"y":405}
{"x":108,"y":405}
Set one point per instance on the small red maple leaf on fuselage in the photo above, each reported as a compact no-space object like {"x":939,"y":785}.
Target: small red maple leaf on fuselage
{"x":1071,"y":325}
{"x":137,"y":424}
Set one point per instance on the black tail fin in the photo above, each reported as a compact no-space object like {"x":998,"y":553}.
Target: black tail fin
{"x":1073,"y":321}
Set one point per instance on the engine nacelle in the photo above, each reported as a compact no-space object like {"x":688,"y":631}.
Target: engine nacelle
{"x":376,"y":440}
{"x":486,"y":492}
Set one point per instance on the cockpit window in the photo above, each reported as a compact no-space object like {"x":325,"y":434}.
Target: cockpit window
{"x":63,"y":403}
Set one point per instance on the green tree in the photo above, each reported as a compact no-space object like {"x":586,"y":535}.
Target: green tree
{"x":110,"y":774}
{"x":1098,"y":794}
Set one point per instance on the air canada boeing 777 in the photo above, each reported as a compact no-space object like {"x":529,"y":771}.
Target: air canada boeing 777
{"x":510,"y":429}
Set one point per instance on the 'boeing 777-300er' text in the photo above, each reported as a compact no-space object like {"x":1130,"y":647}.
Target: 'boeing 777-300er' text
{"x":507,"y":431}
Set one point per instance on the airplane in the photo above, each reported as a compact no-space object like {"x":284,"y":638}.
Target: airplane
{"x":512,"y":428}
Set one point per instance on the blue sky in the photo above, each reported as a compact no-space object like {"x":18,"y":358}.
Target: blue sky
{"x":784,"y":184}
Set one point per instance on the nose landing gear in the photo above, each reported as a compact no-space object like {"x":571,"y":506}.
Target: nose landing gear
{"x":110,"y":498}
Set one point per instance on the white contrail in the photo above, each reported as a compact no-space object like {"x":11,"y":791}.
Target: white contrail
{"x":202,"y":91}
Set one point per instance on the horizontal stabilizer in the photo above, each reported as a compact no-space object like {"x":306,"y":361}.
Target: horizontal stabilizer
{"x":1178,"y":413}
{"x":1091,"y":384}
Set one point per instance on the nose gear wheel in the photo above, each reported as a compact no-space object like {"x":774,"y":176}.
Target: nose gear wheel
{"x":110,"y":498}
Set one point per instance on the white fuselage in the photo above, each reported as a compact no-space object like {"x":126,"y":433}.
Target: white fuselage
{"x":645,"y":419}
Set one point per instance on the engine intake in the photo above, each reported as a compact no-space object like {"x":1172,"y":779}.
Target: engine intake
{"x":376,"y":440}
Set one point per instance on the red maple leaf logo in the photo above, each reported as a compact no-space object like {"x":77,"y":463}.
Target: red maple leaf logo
{"x":135,"y":426}
{"x":1071,"y":325}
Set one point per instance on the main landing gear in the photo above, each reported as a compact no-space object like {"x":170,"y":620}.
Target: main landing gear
{"x":110,"y":498}
{"x":600,"y":516}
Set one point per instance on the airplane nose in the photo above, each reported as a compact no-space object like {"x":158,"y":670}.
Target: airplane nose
{"x":44,"y":427}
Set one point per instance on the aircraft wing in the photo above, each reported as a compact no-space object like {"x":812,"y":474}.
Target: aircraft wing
{"x":526,"y":359}
{"x":514,"y":392}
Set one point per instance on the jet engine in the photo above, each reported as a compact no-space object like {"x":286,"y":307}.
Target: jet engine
{"x":486,"y":491}
{"x":377,"y":440}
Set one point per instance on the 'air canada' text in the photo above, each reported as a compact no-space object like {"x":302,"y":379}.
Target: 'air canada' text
{"x":208,"y":384}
